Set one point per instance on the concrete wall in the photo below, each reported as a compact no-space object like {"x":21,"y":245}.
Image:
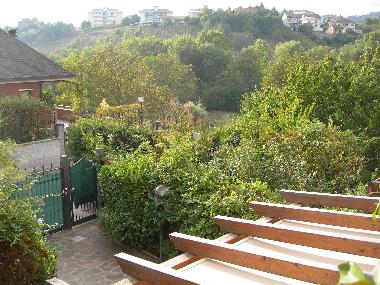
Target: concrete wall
{"x":38,"y":154}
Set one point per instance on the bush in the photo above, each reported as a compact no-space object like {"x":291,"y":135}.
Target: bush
{"x":272,"y":145}
{"x":25,"y":119}
{"x":25,"y":257}
{"x":90,"y":133}
{"x":130,"y":213}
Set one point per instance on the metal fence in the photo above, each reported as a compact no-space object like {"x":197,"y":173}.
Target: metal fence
{"x":64,"y":196}
{"x":45,"y":188}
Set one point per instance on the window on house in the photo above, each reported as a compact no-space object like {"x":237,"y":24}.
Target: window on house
{"x":25,"y":92}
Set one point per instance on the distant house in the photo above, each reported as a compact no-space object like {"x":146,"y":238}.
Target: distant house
{"x":105,"y":17}
{"x":23,"y":70}
{"x":292,"y":19}
{"x":250,"y":9}
{"x":346,"y":23}
{"x":154,"y":15}
{"x":340,"y":25}
{"x":295,"y":18}
{"x":334,"y":29}
{"x":312,"y":19}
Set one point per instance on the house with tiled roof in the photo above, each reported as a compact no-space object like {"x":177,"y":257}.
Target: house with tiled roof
{"x":312,"y":19}
{"x":23,"y":70}
{"x":295,"y":18}
{"x":292,"y":19}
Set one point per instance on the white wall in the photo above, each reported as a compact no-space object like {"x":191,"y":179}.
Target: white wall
{"x":38,"y":154}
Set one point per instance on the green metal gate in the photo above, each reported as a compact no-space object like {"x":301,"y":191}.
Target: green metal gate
{"x":83,"y":178}
{"x":67,"y":195}
{"x":46,"y":187}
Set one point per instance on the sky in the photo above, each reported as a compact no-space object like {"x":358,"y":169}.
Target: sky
{"x":75,"y":11}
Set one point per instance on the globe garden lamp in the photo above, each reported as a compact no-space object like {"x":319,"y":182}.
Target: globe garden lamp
{"x":162,"y":193}
{"x":141,"y":101}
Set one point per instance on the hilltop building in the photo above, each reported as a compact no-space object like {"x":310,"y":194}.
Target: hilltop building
{"x":312,"y":19}
{"x":338,"y":25}
{"x":154,"y":15}
{"x":105,"y":17}
{"x":194,"y":13}
{"x":294,"y":19}
{"x":250,"y":9}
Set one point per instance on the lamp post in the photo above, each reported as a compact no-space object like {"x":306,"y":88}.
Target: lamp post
{"x":162,"y":193}
{"x":141,"y":101}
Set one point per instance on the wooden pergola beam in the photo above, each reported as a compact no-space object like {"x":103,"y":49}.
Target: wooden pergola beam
{"x":333,"y":200}
{"x":227,"y":253}
{"x":316,"y":239}
{"x":150,"y":272}
{"x":319,"y":216}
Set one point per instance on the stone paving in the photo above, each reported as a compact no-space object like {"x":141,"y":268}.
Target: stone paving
{"x":86,"y":256}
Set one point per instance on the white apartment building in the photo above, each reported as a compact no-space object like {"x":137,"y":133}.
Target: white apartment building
{"x":154,"y":15}
{"x":194,"y":13}
{"x":312,"y":19}
{"x":105,"y":17}
{"x":294,"y":19}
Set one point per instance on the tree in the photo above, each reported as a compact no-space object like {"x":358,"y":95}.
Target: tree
{"x":130,"y":20}
{"x":207,"y":59}
{"x":109,"y":72}
{"x":120,"y":73}
{"x":242,"y":75}
{"x":86,"y":26}
{"x":178,"y":78}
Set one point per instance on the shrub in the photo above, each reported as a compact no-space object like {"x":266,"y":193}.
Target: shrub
{"x":25,"y":119}
{"x":131,"y":214}
{"x":25,"y":257}
{"x":90,"y":133}
{"x":128,"y":114}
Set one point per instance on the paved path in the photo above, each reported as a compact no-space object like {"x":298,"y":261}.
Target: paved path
{"x":87,"y":256}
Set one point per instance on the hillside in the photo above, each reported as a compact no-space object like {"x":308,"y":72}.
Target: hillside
{"x":360,"y":19}
{"x":86,"y":38}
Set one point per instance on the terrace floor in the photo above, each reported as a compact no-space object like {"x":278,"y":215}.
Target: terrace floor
{"x":86,"y":256}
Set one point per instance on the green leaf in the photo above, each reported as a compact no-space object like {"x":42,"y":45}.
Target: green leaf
{"x":351,"y":274}
{"x":376,"y":212}
{"x":376,"y":273}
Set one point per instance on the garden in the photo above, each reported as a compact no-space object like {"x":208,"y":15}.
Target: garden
{"x":309,"y":120}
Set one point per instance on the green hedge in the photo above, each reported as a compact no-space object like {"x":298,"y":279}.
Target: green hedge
{"x":25,"y":119}
{"x":89,"y":133}
{"x":131,"y":214}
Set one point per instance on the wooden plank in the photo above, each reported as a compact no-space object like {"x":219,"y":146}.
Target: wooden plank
{"x":319,"y":216}
{"x":150,"y":272}
{"x":197,"y":258}
{"x":333,"y":200}
{"x":312,"y":238}
{"x":227,"y":253}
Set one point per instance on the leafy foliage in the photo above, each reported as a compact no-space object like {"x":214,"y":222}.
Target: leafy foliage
{"x":351,"y":274}
{"x":88,"y":134}
{"x":132,"y":214}
{"x":24,"y":119}
{"x":25,"y":256}
{"x":33,"y":31}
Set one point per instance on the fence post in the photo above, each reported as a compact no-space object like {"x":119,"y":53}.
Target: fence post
{"x":157,"y":125}
{"x":18,"y":127}
{"x":99,"y":162}
{"x":60,"y":133}
{"x":66,"y":193}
